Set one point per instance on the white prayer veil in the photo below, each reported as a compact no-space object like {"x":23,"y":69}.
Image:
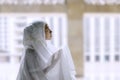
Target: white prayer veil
{"x":39,"y":56}
{"x":34,"y":38}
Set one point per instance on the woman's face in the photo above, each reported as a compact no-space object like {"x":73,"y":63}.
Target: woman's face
{"x":48,"y":33}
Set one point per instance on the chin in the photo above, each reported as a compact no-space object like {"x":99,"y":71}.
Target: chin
{"x":48,"y":38}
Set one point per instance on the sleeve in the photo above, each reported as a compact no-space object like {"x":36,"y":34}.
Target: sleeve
{"x":46,"y":54}
{"x":43,"y":53}
{"x":53,"y":61}
{"x":68,"y":58}
{"x":73,"y":71}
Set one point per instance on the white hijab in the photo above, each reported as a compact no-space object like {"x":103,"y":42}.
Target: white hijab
{"x":34,"y":38}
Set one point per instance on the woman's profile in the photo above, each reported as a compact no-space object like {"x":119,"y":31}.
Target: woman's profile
{"x":41,"y":60}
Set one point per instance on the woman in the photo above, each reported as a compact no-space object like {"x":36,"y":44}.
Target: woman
{"x":42,"y":61}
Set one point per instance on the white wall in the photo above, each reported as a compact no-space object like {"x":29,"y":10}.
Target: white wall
{"x":102,"y":2}
{"x":30,"y":2}
{"x":101,"y":46}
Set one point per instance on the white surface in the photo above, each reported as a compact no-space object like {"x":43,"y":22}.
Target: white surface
{"x":102,"y":2}
{"x":30,"y":2}
{"x":101,"y":37}
{"x":8,"y":71}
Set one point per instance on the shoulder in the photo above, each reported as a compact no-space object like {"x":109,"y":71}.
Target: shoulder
{"x":30,"y":53}
{"x":30,"y":50}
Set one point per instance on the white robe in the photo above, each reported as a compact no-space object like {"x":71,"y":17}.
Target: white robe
{"x":64,"y":68}
{"x":42,"y":61}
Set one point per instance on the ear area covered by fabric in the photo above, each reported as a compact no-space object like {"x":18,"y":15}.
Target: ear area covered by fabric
{"x":27,"y":39}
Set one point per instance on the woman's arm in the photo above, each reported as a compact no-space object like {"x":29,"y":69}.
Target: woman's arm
{"x":55,"y":58}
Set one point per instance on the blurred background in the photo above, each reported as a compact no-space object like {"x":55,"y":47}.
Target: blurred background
{"x":90,"y":27}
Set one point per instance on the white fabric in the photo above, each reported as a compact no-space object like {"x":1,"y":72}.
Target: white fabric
{"x":42,"y":61}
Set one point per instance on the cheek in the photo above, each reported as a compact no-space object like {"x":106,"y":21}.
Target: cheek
{"x":48,"y":34}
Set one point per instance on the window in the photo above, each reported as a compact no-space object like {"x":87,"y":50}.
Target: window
{"x":97,"y":35}
{"x":117,"y":58}
{"x":107,"y":58}
{"x":3,"y":34}
{"x":87,"y":58}
{"x":87,"y":31}
{"x":97,"y":58}
{"x":107,"y":34}
{"x":117,"y":35}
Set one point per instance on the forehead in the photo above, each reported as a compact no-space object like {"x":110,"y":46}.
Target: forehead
{"x":47,"y":27}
